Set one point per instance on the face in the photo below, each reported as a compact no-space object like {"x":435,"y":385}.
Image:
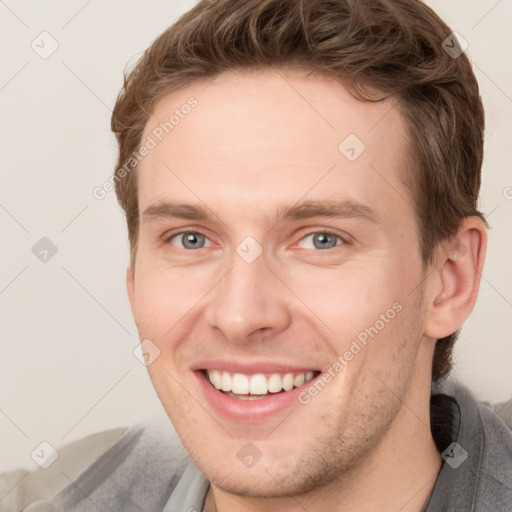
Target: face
{"x":277,"y":274}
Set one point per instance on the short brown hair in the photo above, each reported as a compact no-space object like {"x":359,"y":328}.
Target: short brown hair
{"x":391,"y":46}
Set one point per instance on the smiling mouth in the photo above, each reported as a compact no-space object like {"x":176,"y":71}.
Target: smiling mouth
{"x":256,"y":386}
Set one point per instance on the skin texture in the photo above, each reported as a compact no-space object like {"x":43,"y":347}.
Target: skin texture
{"x":257,"y":142}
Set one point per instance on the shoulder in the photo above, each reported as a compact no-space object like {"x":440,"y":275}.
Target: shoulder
{"x":493,"y":487}
{"x":488,"y":426}
{"x":482,"y":479}
{"x":504,"y":411}
{"x":128,"y":468}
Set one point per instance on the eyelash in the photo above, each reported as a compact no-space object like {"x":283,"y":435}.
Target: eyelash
{"x":325,"y":231}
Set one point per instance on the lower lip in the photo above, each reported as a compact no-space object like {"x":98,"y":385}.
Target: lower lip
{"x":249,"y":410}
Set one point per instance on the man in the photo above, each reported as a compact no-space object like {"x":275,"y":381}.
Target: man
{"x":300,"y":181}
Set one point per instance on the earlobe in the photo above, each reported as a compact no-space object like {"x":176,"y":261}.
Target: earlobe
{"x":459,"y":270}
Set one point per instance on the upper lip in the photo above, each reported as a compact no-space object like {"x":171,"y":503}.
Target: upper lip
{"x":252,"y":367}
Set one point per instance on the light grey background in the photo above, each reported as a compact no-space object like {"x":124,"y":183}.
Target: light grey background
{"x":67,"y":367}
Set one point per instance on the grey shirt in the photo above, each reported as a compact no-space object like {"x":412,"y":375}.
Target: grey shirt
{"x":146,"y":469}
{"x":483,"y":480}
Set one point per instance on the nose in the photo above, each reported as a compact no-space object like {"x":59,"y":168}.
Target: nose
{"x":248,"y":301}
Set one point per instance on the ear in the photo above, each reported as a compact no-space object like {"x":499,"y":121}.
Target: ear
{"x":130,"y":286}
{"x":456,"y":279}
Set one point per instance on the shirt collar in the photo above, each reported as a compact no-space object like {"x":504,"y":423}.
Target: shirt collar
{"x":190,"y":493}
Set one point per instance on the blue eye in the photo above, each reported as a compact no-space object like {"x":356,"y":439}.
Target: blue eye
{"x":320,"y":240}
{"x":189,"y":240}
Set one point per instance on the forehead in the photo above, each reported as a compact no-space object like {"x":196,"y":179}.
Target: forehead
{"x":257,"y":137}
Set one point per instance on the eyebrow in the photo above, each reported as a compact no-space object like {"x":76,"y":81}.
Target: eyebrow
{"x":175,"y":210}
{"x":348,"y":209}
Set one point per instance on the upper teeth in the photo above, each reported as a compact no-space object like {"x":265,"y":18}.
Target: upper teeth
{"x":257,"y":384}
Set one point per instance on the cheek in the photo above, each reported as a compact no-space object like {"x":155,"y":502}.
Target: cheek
{"x":347,"y":298}
{"x":363,"y":310}
{"x":165,"y":296}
